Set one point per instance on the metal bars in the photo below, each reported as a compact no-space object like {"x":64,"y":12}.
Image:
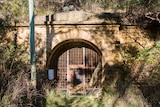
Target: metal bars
{"x":73,"y":61}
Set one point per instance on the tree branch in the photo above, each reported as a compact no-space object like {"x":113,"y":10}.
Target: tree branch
{"x":153,"y":16}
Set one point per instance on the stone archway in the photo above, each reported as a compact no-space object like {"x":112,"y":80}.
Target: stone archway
{"x":75,"y":62}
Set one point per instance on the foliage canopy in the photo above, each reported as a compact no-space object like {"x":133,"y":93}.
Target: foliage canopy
{"x":17,"y":10}
{"x":14,"y":10}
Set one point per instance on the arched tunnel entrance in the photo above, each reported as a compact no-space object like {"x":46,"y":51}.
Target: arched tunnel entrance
{"x":74,"y":64}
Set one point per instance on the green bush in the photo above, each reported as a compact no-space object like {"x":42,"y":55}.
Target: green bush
{"x":60,"y":99}
{"x":14,"y":10}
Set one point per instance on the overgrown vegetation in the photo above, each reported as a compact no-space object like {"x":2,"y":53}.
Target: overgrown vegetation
{"x":138,"y":81}
{"x":15,"y":89}
{"x":143,"y":70}
{"x":143,"y":65}
{"x":14,"y":11}
{"x":133,"y":11}
{"x":13,"y":77}
{"x":59,"y":99}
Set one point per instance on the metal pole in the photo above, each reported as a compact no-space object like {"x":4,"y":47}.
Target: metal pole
{"x":32,"y":44}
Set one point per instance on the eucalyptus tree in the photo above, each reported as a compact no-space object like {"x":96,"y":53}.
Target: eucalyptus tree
{"x":14,"y":10}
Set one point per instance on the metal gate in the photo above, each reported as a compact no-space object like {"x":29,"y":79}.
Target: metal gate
{"x":75,"y":68}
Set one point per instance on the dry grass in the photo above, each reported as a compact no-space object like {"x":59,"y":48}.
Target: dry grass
{"x":15,"y":88}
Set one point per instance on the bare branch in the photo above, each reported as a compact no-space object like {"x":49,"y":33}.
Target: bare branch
{"x":153,"y":16}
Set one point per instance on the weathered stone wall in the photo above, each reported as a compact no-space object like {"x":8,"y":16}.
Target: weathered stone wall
{"x":40,"y":43}
{"x":102,"y":36}
{"x":107,"y":37}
